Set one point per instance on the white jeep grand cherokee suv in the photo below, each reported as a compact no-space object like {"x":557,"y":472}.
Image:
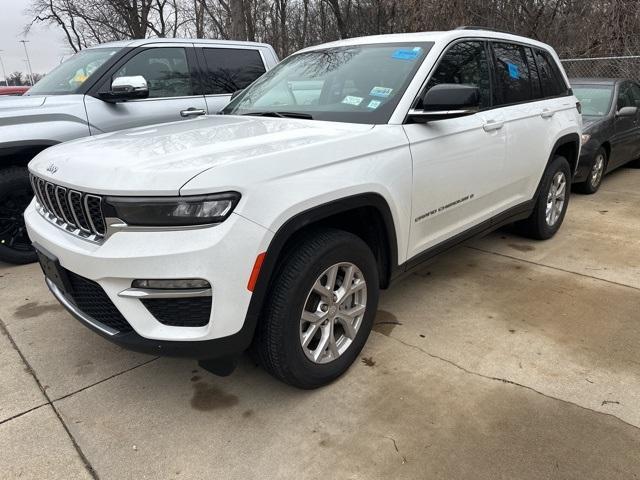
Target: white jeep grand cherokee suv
{"x":274,"y":225}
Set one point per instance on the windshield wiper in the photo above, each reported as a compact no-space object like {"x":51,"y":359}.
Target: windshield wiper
{"x":305,"y":116}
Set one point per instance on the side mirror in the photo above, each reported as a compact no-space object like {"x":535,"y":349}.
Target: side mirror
{"x":627,"y":112}
{"x":447,"y":100}
{"x":127,"y":88}
{"x":235,"y":94}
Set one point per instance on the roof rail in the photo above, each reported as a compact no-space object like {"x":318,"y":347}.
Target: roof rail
{"x":477,"y":27}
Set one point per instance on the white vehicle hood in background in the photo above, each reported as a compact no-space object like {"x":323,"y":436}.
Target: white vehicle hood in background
{"x":160,"y":159}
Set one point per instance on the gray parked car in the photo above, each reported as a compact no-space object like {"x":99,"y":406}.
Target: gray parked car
{"x":111,"y":87}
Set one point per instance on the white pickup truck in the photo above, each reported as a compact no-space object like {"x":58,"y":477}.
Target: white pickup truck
{"x":111,"y":87}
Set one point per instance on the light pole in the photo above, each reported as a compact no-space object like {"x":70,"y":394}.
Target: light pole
{"x":4,"y":72}
{"x":24,"y":44}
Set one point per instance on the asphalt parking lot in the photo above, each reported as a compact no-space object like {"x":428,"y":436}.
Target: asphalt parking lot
{"x":506,"y":358}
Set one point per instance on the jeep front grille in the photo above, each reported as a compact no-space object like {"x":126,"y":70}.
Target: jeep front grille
{"x":77,"y":212}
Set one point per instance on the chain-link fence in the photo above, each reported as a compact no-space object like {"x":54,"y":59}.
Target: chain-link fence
{"x":610,"y":67}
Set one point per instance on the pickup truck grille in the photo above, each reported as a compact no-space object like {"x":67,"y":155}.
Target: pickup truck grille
{"x":77,"y":212}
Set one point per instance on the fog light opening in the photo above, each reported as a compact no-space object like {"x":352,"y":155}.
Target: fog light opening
{"x":172,"y":284}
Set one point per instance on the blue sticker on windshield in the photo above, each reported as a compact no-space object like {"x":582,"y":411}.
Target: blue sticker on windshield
{"x":513,"y":71}
{"x":405,"y":54}
{"x":380,"y":92}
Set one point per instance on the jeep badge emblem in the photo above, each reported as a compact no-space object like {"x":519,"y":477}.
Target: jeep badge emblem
{"x":52,"y":169}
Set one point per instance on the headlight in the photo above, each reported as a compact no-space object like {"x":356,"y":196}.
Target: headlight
{"x":585,"y":138}
{"x":171,"y":211}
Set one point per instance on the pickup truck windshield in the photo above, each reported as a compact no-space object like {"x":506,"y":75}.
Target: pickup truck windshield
{"x":67,"y":77}
{"x":359,"y":84}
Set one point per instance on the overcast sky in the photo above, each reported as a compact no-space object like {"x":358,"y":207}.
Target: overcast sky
{"x":46,"y":44}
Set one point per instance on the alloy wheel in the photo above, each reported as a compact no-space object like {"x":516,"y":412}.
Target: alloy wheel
{"x":597,"y":171}
{"x":13,"y":232}
{"x":333,"y":312}
{"x":556,"y":198}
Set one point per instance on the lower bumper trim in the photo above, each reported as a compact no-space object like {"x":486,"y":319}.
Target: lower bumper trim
{"x":201,"y":350}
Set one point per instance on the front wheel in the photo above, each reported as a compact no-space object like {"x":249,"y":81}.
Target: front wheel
{"x":15,"y":195}
{"x":320,"y":309}
{"x":551,"y":203}
{"x":596,"y":173}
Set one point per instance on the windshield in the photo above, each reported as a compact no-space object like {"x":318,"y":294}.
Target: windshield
{"x":67,"y":77}
{"x":595,"y":99}
{"x":360,"y":84}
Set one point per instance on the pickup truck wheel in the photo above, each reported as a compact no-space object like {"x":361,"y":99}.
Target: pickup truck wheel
{"x":551,"y":203}
{"x":15,"y":195}
{"x":596,"y":173}
{"x":320,"y":310}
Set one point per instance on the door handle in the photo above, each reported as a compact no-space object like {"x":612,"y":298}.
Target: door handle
{"x":492,"y":125}
{"x":192,"y":112}
{"x":546,"y":113}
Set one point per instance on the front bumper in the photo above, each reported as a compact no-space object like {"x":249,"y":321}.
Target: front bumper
{"x":223,"y":255}
{"x":587,"y":154}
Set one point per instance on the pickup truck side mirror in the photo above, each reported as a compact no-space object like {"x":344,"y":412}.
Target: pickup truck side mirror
{"x":127,"y":88}
{"x":447,"y":100}
{"x":627,"y":112}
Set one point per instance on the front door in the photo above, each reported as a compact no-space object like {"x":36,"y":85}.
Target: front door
{"x":172,"y":88}
{"x":457,"y":163}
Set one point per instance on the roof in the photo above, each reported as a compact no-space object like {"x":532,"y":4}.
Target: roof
{"x":151,"y":41}
{"x":596,"y":81}
{"x":443,"y":36}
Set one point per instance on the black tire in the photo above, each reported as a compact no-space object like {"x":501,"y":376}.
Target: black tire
{"x":15,"y":195}
{"x":592,"y":184}
{"x":277,"y":344}
{"x":536,"y":226}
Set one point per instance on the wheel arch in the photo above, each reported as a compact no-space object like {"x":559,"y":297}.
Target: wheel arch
{"x":567,"y":146}
{"x":372,"y":213}
{"x":19,"y":154}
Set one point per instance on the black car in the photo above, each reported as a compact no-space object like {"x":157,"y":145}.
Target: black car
{"x":611,"y":127}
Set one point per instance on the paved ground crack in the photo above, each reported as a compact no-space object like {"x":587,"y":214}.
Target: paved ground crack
{"x":510,"y":382}
{"x":77,"y":448}
{"x":489,"y":252}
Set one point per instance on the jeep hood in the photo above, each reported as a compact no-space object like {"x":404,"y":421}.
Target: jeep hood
{"x":160,"y":159}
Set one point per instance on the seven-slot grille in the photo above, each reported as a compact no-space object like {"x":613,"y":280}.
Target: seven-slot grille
{"x":77,"y":212}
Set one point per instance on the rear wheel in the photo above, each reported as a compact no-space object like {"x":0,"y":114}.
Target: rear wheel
{"x":551,"y":204}
{"x":320,"y":309}
{"x":596,"y":173}
{"x":15,"y":195}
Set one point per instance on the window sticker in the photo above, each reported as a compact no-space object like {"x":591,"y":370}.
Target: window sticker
{"x":513,"y":71}
{"x":407,"y":54}
{"x":373,"y":104}
{"x":380,"y":92}
{"x":349,"y":100}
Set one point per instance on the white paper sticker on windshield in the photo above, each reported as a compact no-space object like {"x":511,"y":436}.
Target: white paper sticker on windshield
{"x":380,"y":92}
{"x":373,"y":104}
{"x":352,"y":100}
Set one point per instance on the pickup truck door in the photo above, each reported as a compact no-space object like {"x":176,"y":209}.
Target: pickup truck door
{"x":457,"y":163}
{"x":171,"y":74}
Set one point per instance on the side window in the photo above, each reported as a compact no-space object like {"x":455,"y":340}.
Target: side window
{"x":465,"y":63}
{"x":165,"y":69}
{"x":551,"y":79}
{"x":634,"y":91}
{"x":513,"y":79}
{"x":536,"y":88}
{"x":231,"y":69}
{"x":625,"y":96}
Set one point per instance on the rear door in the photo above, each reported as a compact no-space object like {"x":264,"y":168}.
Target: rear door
{"x":227,"y":70}
{"x":170,"y":71}
{"x":457,"y":163}
{"x":529,"y":120}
